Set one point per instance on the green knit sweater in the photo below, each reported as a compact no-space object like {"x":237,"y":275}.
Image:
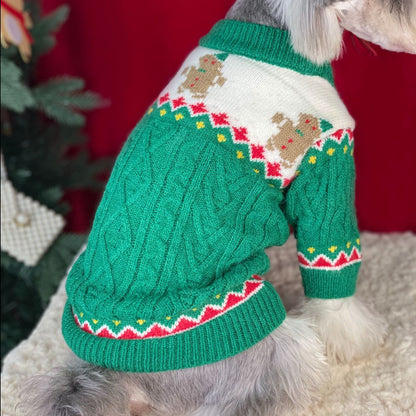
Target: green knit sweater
{"x":246,"y":139}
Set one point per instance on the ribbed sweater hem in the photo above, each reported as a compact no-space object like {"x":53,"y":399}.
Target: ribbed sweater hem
{"x":215,"y":340}
{"x":324,"y":284}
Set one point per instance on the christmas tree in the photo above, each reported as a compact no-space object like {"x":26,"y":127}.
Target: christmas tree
{"x":44,"y":156}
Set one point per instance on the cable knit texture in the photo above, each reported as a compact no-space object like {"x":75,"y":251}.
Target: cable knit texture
{"x":246,"y":139}
{"x":383,"y":384}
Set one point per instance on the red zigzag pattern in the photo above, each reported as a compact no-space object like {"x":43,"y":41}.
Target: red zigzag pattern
{"x":325,"y":263}
{"x":336,"y":137}
{"x":183,"y":323}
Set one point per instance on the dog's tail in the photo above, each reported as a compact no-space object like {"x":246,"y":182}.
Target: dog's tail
{"x":78,"y":389}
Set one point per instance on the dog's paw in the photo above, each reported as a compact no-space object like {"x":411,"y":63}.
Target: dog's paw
{"x":346,"y":326}
{"x":299,"y":363}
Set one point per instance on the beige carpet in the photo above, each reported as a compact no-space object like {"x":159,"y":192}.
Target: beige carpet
{"x":382,"y":385}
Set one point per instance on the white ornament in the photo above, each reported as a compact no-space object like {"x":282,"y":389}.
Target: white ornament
{"x":27,"y":228}
{"x":22,"y":219}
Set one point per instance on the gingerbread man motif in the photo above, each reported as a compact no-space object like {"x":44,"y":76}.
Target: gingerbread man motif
{"x":292,"y":140}
{"x":199,"y":80}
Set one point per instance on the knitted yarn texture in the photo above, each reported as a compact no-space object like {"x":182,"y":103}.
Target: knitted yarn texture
{"x":246,"y":139}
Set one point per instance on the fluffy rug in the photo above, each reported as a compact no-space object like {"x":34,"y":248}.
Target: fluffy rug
{"x":382,"y":385}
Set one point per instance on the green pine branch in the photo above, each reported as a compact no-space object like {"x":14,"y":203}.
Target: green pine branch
{"x":15,"y":95}
{"x":43,"y":30}
{"x":62,"y":100}
{"x":45,"y":157}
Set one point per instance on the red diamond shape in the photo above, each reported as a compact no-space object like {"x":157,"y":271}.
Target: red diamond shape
{"x":199,"y":108}
{"x":179,"y":102}
{"x":257,"y":151}
{"x":240,"y":134}
{"x":273,"y":169}
{"x":220,"y":119}
{"x":164,"y":98}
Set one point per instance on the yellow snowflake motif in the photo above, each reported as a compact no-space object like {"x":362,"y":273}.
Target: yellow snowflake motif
{"x":271,"y":185}
{"x":179,"y":116}
{"x":312,"y":160}
{"x":162,"y":112}
{"x":150,"y":111}
{"x":81,"y":314}
{"x":218,"y":296}
{"x":297,"y":173}
{"x":349,"y":244}
{"x":140,"y":321}
{"x":194,"y":309}
{"x":358,"y":241}
{"x":117,"y":323}
{"x":256,"y":170}
{"x":95,"y":321}
{"x":352,"y":152}
{"x":240,"y":154}
{"x":332,"y":249}
{"x":168,"y":318}
{"x":200,"y":124}
{"x":221,"y":138}
{"x":345,"y":149}
{"x":331,"y":151}
{"x":311,"y":250}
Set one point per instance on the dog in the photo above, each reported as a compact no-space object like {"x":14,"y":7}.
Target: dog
{"x":187,"y":341}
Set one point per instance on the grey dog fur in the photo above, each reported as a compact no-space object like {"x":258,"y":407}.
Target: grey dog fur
{"x":313,"y":25}
{"x":254,"y":11}
{"x":277,"y":373}
{"x":258,"y":11}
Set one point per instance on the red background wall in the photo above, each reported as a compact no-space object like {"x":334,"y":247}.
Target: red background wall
{"x":128,"y":50}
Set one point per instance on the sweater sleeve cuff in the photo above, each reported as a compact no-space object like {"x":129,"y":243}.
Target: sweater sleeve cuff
{"x":330,"y":284}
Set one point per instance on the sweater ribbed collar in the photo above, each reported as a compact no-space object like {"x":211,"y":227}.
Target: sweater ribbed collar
{"x":263,"y":43}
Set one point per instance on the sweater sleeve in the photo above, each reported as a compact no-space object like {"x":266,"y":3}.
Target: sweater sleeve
{"x":319,"y":204}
